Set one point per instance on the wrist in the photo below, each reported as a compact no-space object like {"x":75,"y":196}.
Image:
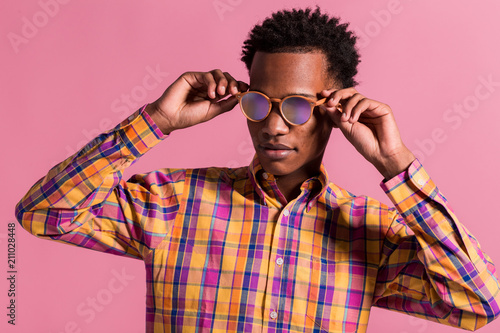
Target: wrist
{"x":159,"y":119}
{"x":395,"y":164}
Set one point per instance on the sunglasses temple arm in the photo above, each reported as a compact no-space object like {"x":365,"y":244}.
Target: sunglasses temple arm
{"x":323,"y":100}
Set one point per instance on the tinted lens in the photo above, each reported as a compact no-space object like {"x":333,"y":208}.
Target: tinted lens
{"x":296,"y":110}
{"x":255,"y":106}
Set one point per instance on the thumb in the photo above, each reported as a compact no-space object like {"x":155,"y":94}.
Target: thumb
{"x":225,"y":105}
{"x":334,"y":113}
{"x":336,"y":116}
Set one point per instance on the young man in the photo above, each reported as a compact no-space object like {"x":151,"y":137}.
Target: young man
{"x":273,"y":246}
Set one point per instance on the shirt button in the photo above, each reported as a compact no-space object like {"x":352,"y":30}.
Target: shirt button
{"x":279,"y":261}
{"x":286,"y":212}
{"x":421,"y":182}
{"x":131,"y":117}
{"x":264,"y":175}
{"x":274,"y":315}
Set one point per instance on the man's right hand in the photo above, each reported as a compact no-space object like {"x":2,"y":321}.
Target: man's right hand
{"x":195,"y":97}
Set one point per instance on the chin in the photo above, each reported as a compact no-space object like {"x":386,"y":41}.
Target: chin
{"x":277,"y":168}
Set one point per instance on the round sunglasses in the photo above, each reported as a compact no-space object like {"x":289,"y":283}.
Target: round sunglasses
{"x":295,"y":109}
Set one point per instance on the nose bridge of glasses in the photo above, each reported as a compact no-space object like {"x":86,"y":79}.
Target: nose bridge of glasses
{"x":275,"y":109}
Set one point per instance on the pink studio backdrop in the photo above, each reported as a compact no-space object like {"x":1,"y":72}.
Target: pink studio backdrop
{"x":67,"y":67}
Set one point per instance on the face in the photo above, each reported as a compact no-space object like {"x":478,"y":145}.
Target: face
{"x":284,"y":149}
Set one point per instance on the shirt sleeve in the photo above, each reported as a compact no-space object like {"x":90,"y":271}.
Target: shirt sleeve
{"x":84,"y":201}
{"x":431,"y":266}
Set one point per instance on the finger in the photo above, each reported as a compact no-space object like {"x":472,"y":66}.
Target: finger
{"x":349,"y":104}
{"x":209,"y":80}
{"x":336,"y":117}
{"x":243,"y":86}
{"x":341,"y":94}
{"x":223,"y":106}
{"x":232,"y":86}
{"x":221,"y":81}
{"x":337,"y":107}
{"x":363,"y":106}
{"x":329,"y":101}
{"x":334,"y":114}
{"x":327,"y":92}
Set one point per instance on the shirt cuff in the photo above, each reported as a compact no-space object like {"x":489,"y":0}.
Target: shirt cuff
{"x":405,"y":185}
{"x":139,"y":132}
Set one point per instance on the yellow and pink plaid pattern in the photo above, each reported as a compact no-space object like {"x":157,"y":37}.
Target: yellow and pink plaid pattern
{"x":225,"y":252}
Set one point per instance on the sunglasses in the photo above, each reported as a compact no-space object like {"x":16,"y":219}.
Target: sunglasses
{"x":295,"y":109}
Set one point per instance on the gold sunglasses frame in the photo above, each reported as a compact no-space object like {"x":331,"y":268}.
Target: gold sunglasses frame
{"x":312,"y":104}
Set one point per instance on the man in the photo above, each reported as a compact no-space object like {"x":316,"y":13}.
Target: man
{"x":273,"y":246}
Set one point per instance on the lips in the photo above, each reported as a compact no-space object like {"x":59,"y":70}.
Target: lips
{"x":275,"y":146}
{"x":275,"y":151}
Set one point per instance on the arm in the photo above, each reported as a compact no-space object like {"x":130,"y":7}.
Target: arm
{"x":85,"y":202}
{"x":431,"y":266}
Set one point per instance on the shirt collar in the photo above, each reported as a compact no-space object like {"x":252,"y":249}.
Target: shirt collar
{"x":265,"y":185}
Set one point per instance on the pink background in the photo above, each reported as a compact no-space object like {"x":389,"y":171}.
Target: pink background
{"x":63,"y":84}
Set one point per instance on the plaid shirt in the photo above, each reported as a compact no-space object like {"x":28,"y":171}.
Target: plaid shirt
{"x":225,"y":252}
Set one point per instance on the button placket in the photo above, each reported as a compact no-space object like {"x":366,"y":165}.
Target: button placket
{"x":275,"y":269}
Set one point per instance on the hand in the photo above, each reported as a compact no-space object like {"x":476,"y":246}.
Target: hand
{"x":371,"y":128}
{"x":195,"y":97}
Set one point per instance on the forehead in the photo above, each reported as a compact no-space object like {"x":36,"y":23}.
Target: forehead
{"x":281,"y":74}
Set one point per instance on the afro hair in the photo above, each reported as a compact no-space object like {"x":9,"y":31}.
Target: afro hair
{"x":301,"y":31}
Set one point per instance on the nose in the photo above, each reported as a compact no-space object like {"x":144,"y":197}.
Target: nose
{"x":274,"y":124}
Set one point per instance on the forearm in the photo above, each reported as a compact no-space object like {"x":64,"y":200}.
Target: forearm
{"x":457,"y":279}
{"x":85,"y":179}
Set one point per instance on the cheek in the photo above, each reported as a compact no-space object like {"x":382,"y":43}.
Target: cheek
{"x":314,"y":142}
{"x":322,"y":117}
{"x":255,"y":131}
{"x":317,"y":138}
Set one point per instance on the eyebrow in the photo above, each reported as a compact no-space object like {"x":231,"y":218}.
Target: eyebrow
{"x":294,"y":93}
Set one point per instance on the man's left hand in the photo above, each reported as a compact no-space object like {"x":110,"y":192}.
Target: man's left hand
{"x":371,"y":128}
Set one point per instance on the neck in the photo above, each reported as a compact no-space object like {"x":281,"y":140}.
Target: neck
{"x":290,"y":188}
{"x":289,"y":185}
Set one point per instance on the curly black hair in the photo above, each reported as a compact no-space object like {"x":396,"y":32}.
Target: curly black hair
{"x":300,"y":31}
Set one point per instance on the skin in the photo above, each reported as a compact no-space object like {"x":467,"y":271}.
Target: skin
{"x":369,"y":125}
{"x":279,"y":75}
